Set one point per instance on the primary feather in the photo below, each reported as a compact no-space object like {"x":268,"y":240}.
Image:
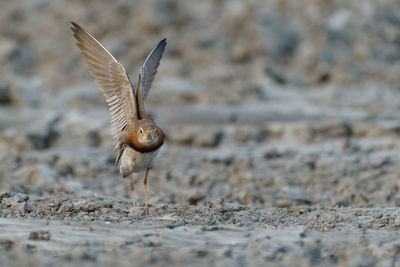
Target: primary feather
{"x":147,"y":74}
{"x":113,"y":81}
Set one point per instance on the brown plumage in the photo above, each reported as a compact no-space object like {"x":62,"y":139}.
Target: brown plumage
{"x":136,"y":136}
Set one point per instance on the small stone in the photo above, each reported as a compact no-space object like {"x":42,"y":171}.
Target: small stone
{"x":344,"y":201}
{"x":195,"y":136}
{"x":65,"y":170}
{"x":195,"y":198}
{"x":43,"y":135}
{"x":278,"y":77}
{"x":283,"y":203}
{"x":5,"y":94}
{"x":88,"y":207}
{"x":282,"y":35}
{"x":94,"y":138}
{"x":7,"y":244}
{"x":40,"y":235}
{"x":218,"y":202}
{"x":66,"y":208}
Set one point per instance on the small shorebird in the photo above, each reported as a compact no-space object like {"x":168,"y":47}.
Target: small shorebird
{"x":136,"y":136}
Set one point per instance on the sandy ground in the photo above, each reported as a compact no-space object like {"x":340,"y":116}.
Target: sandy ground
{"x":283,"y":135}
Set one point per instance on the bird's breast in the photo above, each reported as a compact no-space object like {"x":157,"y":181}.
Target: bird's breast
{"x":135,"y":161}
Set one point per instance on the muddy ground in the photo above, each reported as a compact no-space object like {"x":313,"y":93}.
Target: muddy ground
{"x":283,"y":135}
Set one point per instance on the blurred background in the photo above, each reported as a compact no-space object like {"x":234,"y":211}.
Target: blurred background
{"x":264,"y":103}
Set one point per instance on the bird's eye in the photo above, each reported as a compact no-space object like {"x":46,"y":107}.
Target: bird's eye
{"x":141,"y":130}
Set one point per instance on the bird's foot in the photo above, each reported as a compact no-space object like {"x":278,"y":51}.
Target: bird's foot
{"x":146,"y":212}
{"x":133,"y":203}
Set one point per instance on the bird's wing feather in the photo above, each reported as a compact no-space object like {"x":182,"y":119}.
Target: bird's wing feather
{"x":147,"y":74}
{"x":113,"y":81}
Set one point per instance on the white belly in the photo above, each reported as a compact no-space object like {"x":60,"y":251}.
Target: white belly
{"x":133,"y":161}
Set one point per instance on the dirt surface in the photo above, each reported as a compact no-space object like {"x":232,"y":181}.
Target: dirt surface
{"x":283,"y":135}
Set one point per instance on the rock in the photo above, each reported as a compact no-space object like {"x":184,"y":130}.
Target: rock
{"x":40,"y":235}
{"x":94,"y":138}
{"x":222,"y":157}
{"x":38,"y":140}
{"x":278,"y":77}
{"x":218,"y":203}
{"x":333,"y":130}
{"x":5,"y":94}
{"x":344,"y":201}
{"x":181,"y":136}
{"x":195,"y":197}
{"x":282,"y":35}
{"x":249,"y":134}
{"x":195,"y":136}
{"x":272,"y":154}
{"x":7,"y":244}
{"x":283,"y":203}
{"x":64,"y":167}
{"x":209,"y":138}
{"x":43,"y":135}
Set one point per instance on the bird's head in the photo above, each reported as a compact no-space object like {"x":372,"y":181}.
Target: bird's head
{"x":148,"y":133}
{"x":145,"y":135}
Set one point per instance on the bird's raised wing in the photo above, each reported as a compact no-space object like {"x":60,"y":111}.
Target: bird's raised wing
{"x":113,"y":81}
{"x":147,"y":74}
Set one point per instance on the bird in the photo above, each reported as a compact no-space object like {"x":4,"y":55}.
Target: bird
{"x":137,"y":137}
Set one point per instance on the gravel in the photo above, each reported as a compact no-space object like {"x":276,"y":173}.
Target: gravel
{"x":282,"y":125}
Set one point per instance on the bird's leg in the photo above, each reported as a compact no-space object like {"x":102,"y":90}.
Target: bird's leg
{"x":131,"y":188}
{"x":146,"y":209}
